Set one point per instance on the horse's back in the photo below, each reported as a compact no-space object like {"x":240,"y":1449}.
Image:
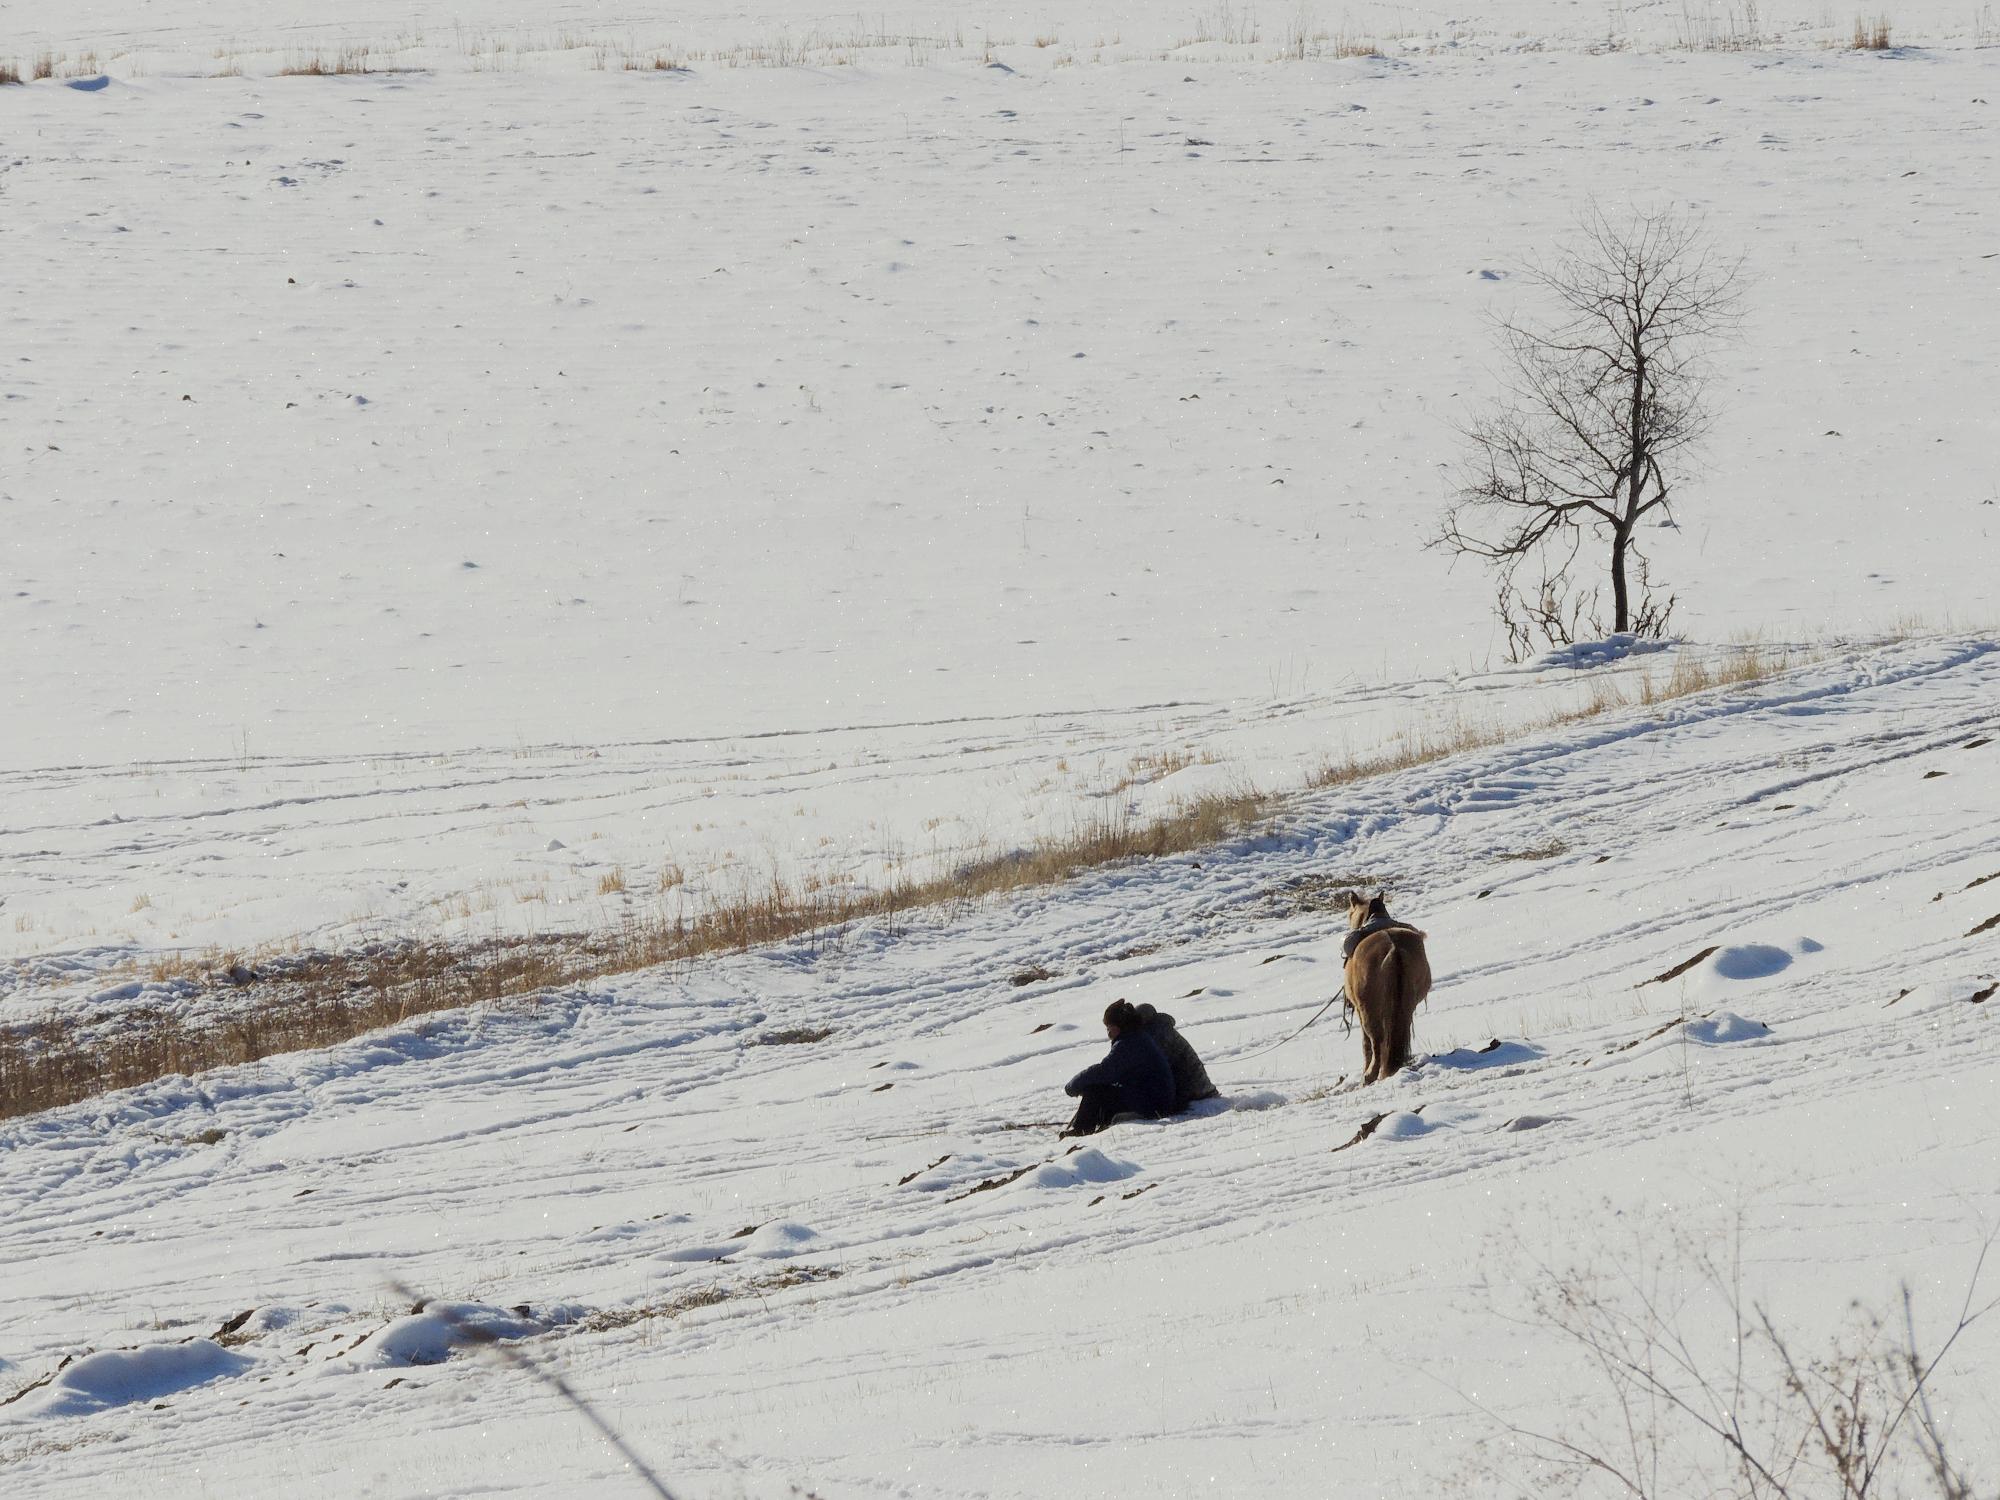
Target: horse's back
{"x":1372,"y":955}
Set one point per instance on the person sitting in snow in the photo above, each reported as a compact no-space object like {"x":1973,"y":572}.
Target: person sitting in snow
{"x":1134,"y":1082}
{"x":1191,"y":1080}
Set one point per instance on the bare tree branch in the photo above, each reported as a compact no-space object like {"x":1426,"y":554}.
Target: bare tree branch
{"x":1754,"y":1421}
{"x":1600,"y":419}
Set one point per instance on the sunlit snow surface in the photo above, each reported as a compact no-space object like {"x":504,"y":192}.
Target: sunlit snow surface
{"x":922,"y":1294}
{"x":430,"y":494}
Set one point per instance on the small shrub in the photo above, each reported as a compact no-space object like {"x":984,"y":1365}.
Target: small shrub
{"x":45,"y":65}
{"x":1739,"y":1409}
{"x":10,"y":72}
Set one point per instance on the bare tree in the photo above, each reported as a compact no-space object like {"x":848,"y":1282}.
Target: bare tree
{"x":1599,"y":425}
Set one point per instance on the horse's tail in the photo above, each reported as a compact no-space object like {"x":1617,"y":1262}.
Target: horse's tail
{"x":1395,"y":975}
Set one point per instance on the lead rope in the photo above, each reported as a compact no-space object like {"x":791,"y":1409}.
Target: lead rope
{"x":1345,"y":1024}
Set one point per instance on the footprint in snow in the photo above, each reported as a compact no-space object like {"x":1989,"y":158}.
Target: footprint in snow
{"x":1724,"y":1027}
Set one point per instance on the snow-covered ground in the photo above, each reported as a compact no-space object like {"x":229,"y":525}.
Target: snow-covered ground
{"x":510,"y":493}
{"x":402,"y":443}
{"x":1202,"y":1306}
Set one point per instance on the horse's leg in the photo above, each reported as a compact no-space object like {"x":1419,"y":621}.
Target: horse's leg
{"x":1399,"y":1014}
{"x":1352,"y":991}
{"x":1375,"y":1040}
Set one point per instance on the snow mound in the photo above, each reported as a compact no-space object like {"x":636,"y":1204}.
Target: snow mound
{"x":1407,"y":1125}
{"x":429,"y":1337}
{"x":1403,"y":1126}
{"x":1084,"y":1167}
{"x":1750,"y":961}
{"x":1495,"y":1054}
{"x":779,"y":1239}
{"x":1723,"y":1027}
{"x":120,"y":1377}
{"x":266,"y":1320}
{"x":697,"y":1253}
{"x":1758,"y":960}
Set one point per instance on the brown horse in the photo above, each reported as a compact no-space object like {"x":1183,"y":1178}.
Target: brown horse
{"x":1388,"y":977}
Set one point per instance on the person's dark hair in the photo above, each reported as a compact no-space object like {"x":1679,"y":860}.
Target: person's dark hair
{"x":1123,"y":1015}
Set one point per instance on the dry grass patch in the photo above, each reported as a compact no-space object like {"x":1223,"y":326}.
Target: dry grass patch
{"x":315,"y":1001}
{"x":1871,"y":34}
{"x":316,"y":64}
{"x":1352,"y":46}
{"x":1745,"y":664}
{"x":1729,"y":30}
{"x":1553,"y":849}
{"x":1325,"y":895}
{"x":794,"y":1036}
{"x":1142,"y":770}
{"x":10,"y":72}
{"x":606,"y":1320}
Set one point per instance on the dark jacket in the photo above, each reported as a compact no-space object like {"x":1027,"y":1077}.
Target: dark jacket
{"x":1137,"y":1069}
{"x":1191,"y":1080}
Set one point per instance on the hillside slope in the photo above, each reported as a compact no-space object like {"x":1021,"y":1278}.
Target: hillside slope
{"x":1202,"y":1306}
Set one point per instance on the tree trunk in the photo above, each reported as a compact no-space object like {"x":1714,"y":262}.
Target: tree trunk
{"x":1621,"y":597}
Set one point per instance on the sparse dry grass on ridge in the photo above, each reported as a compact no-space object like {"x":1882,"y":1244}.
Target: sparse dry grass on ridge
{"x":1433,"y":742}
{"x":300,"y":1001}
{"x":1872,"y":34}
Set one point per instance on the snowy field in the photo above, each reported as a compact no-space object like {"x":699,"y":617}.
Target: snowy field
{"x":414,"y":445}
{"x":519,"y":487}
